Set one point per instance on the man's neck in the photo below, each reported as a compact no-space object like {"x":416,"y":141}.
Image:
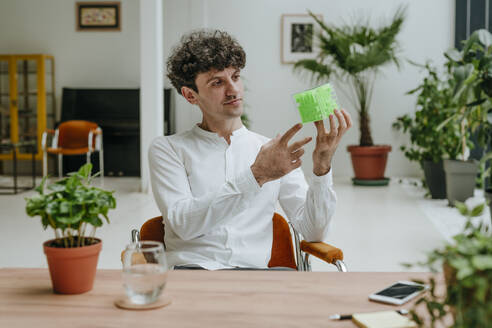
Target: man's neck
{"x":223,"y":128}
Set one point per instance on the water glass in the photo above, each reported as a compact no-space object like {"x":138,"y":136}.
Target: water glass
{"x":144,"y":271}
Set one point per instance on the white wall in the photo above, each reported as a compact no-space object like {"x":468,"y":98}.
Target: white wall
{"x":427,"y":33}
{"x":82,"y":59}
{"x":111,"y":59}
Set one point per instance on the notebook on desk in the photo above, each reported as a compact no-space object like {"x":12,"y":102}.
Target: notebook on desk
{"x":383,"y":319}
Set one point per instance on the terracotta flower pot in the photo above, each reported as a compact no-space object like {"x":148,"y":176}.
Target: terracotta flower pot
{"x":369,"y":162}
{"x":72,"y":270}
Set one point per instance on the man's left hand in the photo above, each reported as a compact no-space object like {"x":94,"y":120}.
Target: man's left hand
{"x":327,"y":142}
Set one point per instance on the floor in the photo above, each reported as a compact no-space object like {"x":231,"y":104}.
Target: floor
{"x":378,"y":228}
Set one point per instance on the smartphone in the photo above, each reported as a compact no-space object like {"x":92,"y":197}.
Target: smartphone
{"x":398,"y":293}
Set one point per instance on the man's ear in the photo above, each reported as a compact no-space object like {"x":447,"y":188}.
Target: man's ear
{"x":190,"y":95}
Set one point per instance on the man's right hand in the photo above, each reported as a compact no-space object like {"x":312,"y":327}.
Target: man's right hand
{"x":276,"y":158}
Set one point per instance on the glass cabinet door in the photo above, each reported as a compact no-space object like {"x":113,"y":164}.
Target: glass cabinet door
{"x":50,"y":101}
{"x":4,"y":101}
{"x":27,"y":99}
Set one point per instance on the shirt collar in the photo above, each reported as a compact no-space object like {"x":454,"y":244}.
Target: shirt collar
{"x":212,"y":135}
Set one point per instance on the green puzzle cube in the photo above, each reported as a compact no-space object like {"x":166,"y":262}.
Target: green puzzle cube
{"x":316,"y":104}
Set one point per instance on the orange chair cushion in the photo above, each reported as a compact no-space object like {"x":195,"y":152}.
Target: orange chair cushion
{"x":282,"y":249}
{"x":75,"y":134}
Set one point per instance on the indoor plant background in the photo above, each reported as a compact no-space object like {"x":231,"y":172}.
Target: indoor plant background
{"x":429,"y":145}
{"x":74,"y":210}
{"x":353,"y":55}
{"x":471,"y":69}
{"x":467,"y":267}
{"x":451,"y":108}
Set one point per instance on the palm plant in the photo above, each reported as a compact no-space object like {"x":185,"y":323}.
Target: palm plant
{"x":354,"y":54}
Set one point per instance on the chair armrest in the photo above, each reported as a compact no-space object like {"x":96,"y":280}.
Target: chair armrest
{"x":322,"y":251}
{"x":94,"y":141}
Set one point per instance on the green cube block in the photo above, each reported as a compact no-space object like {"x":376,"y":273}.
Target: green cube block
{"x":316,"y":104}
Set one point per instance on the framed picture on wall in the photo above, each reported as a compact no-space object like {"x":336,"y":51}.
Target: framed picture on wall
{"x":98,"y":16}
{"x":298,"y":37}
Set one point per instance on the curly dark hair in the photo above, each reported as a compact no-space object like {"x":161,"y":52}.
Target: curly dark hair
{"x":200,"y":51}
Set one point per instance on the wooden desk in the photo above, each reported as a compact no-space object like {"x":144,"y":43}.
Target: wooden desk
{"x":200,"y":299}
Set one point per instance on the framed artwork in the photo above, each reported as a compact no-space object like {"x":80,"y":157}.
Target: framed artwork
{"x":98,"y":16}
{"x":298,"y":37}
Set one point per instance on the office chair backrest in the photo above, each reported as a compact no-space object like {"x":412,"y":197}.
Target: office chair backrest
{"x":282,"y":250}
{"x":153,"y":230}
{"x":75,"y":134}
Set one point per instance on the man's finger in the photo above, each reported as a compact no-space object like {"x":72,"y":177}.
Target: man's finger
{"x":348,"y":119}
{"x":333,"y":126}
{"x":290,"y":133}
{"x":320,"y":127}
{"x":341,"y":120}
{"x":296,"y":164}
{"x":298,"y":144}
{"x":297,"y":154}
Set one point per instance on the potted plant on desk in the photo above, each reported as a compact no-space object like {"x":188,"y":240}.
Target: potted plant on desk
{"x":429,"y":145}
{"x":354,"y":55}
{"x":467,"y":268}
{"x":73,"y":209}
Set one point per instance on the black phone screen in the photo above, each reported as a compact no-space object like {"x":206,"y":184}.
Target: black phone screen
{"x":400,"y":291}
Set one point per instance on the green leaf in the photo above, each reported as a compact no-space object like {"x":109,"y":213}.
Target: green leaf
{"x":461,"y":207}
{"x":56,"y":187}
{"x":65,"y":207}
{"x":454,"y":55}
{"x":40,"y":188}
{"x":481,"y":286}
{"x":482,"y":262}
{"x":95,"y":221}
{"x":459,"y":263}
{"x":477,"y":210}
{"x":464,"y":272}
{"x":85,"y":170}
{"x":485,"y":37}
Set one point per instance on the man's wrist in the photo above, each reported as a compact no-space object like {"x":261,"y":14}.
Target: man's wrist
{"x":320,"y":171}
{"x":260,"y":179}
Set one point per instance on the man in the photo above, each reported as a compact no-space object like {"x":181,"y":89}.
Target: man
{"x":217,"y":185}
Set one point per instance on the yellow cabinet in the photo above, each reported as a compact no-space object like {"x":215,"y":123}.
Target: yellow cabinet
{"x":27,"y":99}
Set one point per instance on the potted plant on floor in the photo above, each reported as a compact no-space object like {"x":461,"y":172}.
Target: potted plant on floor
{"x":471,"y":71}
{"x":467,"y":268}
{"x":429,"y":145}
{"x":73,"y":209}
{"x":354,"y":54}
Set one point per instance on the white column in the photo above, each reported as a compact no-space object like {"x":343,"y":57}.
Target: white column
{"x":151,"y":82}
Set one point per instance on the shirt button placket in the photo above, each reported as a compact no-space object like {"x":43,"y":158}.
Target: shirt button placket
{"x":229,"y":174}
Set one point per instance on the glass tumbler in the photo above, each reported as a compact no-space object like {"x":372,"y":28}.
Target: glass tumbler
{"x":144,"y":271}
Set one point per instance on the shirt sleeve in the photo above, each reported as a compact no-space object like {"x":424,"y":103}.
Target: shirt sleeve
{"x":190,"y":217}
{"x":308,"y":208}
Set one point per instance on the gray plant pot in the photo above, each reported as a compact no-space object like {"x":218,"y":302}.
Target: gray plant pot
{"x":488,"y":197}
{"x":460,"y":179}
{"x":435,"y":179}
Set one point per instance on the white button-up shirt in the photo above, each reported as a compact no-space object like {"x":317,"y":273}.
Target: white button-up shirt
{"x":215,"y":213}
